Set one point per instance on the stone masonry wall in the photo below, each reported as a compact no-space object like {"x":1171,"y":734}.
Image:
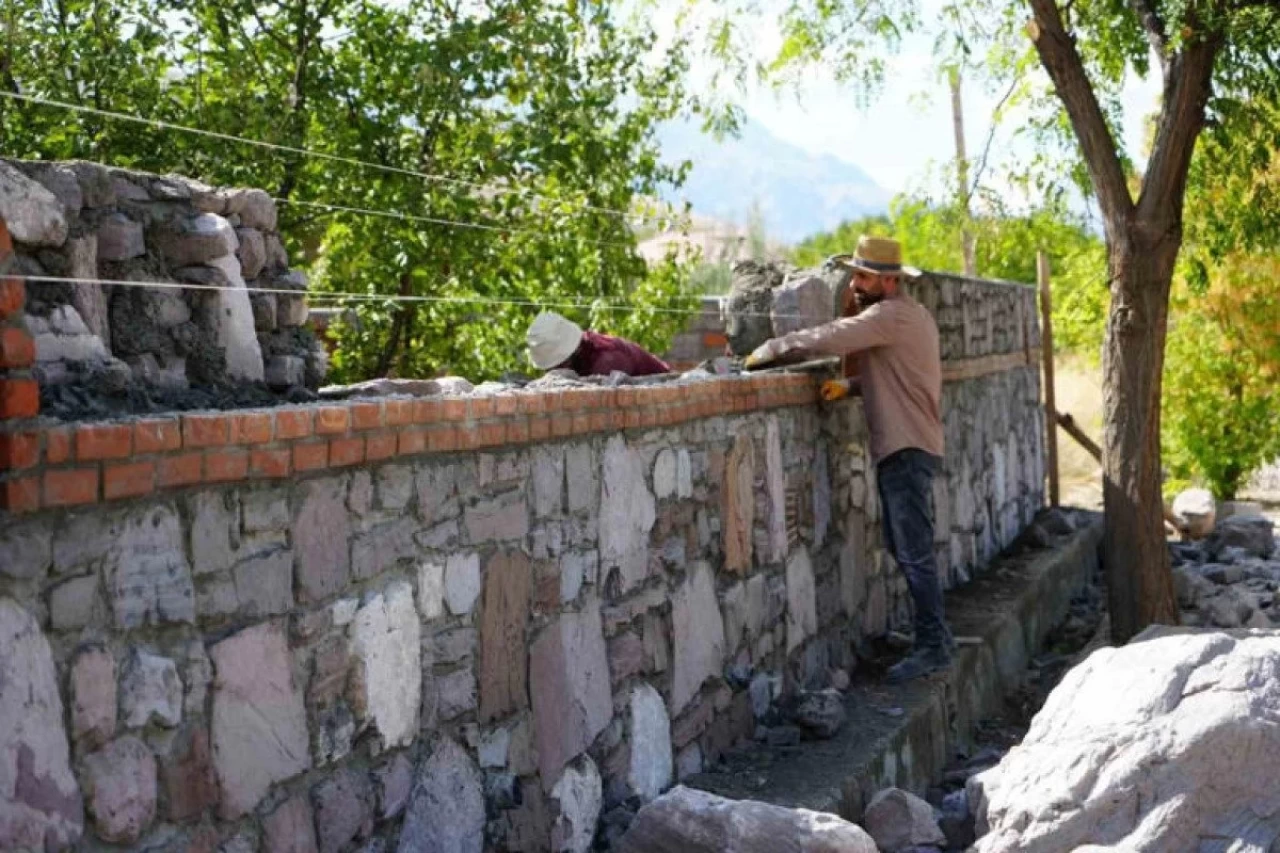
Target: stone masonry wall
{"x":461,"y":623}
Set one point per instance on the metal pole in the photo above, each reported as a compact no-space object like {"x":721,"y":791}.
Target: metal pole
{"x":1046,"y":348}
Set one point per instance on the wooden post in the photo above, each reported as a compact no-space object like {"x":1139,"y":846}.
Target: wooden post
{"x":1046,"y":347}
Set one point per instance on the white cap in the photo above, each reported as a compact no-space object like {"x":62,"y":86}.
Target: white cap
{"x":552,"y":340}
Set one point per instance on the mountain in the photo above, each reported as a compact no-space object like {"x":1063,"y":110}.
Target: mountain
{"x":798,"y":193}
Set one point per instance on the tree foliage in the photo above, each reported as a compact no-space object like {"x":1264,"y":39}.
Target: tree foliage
{"x":538,"y":116}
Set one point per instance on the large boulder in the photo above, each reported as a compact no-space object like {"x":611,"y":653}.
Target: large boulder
{"x":1164,"y":744}
{"x":802,"y":301}
{"x":899,"y":820}
{"x":34,"y":215}
{"x":688,"y":821}
{"x":748,"y":321}
{"x":1251,"y":533}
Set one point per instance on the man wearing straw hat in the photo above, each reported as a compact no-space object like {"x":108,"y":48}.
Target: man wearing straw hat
{"x":558,"y":342}
{"x":895,"y":343}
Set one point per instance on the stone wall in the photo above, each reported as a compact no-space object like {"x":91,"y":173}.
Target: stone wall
{"x":488,"y":621}
{"x":80,"y":220}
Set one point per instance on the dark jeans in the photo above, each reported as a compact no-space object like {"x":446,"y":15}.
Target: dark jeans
{"x":905,"y":481}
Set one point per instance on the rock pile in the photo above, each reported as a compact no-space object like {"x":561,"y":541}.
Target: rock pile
{"x":1230,"y":579}
{"x":84,"y":221}
{"x":771,"y":299}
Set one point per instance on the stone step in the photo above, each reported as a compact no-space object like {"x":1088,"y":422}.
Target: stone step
{"x":903,"y":736}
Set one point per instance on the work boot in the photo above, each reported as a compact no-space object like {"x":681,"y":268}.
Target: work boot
{"x":922,"y":661}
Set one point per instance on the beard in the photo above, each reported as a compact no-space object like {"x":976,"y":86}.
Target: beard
{"x":866,"y":300}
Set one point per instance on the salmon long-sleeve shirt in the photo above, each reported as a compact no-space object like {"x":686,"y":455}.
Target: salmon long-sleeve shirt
{"x":896,"y":344}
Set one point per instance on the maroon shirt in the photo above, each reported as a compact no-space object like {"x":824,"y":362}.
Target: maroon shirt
{"x":600,"y":355}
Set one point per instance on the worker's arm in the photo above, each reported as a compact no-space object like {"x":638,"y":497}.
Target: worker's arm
{"x":871,"y":328}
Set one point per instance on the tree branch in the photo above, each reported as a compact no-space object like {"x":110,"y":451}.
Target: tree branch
{"x":991,"y":135}
{"x":1058,"y":54}
{"x":1155,"y":29}
{"x":1186,"y":92}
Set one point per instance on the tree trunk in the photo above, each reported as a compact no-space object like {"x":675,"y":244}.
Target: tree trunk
{"x":1134,"y":550}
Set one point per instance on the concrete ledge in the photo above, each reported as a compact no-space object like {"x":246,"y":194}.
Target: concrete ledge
{"x":904,"y":736}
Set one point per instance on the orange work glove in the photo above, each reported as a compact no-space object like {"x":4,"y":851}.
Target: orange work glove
{"x":834,"y":389}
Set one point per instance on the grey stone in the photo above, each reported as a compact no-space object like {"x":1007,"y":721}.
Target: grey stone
{"x":548,"y":480}
{"x":290,"y":828}
{"x":26,"y":550}
{"x":255,"y":208}
{"x":627,"y":514}
{"x":501,"y":519}
{"x":699,"y":648}
{"x":1253,"y":533}
{"x":343,"y":809}
{"x":259,"y":724}
{"x":150,"y":689}
{"x":291,"y":311}
{"x":801,"y":303}
{"x":321,"y":531}
{"x":821,"y":496}
{"x":493,"y":748}
{"x":34,"y":215}
{"x":284,"y":371}
{"x":582,"y":478}
{"x":394,"y":783}
{"x":396,"y":486}
{"x":120,"y":785}
{"x":579,"y":795}
{"x":87,"y":297}
{"x":264,"y":320}
{"x":462,"y":582}
{"x":446,"y":812}
{"x":386,"y":642}
{"x":431,"y":590}
{"x":72,"y":603}
{"x":569,"y":684}
{"x":277,"y":258}
{"x":253,"y":252}
{"x":93,"y":696}
{"x":897,"y":820}
{"x":750,"y":302}
{"x":198,"y":240}
{"x":215,"y":531}
{"x":651,"y":760}
{"x":802,"y":618}
{"x":455,"y":693}
{"x":685,"y":820}
{"x":148,"y":577}
{"x":380,"y":549}
{"x":120,"y":239}
{"x":61,"y":181}
{"x":821,"y":713}
{"x":264,"y":584}
{"x":664,"y":474}
{"x":775,"y":489}
{"x":229,"y":315}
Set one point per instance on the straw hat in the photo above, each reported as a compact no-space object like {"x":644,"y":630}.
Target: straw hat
{"x":552,"y":340}
{"x":878,"y":256}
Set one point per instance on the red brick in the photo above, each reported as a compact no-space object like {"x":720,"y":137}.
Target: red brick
{"x":332,"y":420}
{"x":366,"y":416}
{"x":211,"y":430}
{"x":518,"y":430}
{"x":19,"y":450}
{"x":493,"y":433}
{"x":627,"y":397}
{"x":443,"y":438}
{"x":581,"y":423}
{"x":562,"y":424}
{"x":293,"y":423}
{"x":715,"y":339}
{"x":21,"y":494}
{"x":57,"y":445}
{"x":599,"y":421}
{"x":634,"y":418}
{"x":251,"y":428}
{"x":618,"y":419}
{"x":539,"y":428}
{"x":70,"y":486}
{"x":399,"y":413}
{"x":157,"y":435}
{"x":16,"y":348}
{"x":270,"y":463}
{"x":468,"y":436}
{"x":104,"y":441}
{"x":380,"y":446}
{"x":454,"y":409}
{"x":128,"y":479}
{"x":505,"y":404}
{"x":19,"y":398}
{"x":482,"y":407}
{"x":346,"y":451}
{"x":224,"y":466}
{"x":13,"y":295}
{"x":533,"y":404}
{"x":428,"y":411}
{"x":411,"y":441}
{"x":185,"y":469}
{"x":311,"y":456}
